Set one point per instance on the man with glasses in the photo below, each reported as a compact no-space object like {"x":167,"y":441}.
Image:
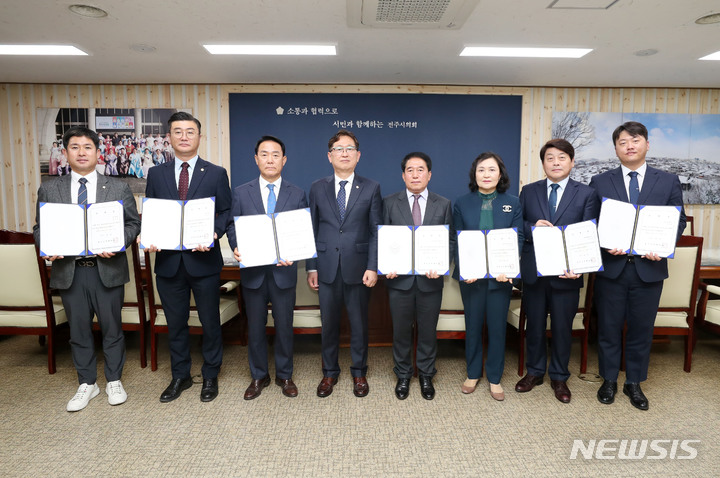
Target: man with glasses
{"x":274,"y":284}
{"x":197,"y":270}
{"x":346,"y":210}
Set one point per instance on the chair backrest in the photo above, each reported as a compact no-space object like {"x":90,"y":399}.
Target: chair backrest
{"x":21,"y":282}
{"x":451,"y":298}
{"x":154,"y":298}
{"x":679,"y":289}
{"x":133,"y":260}
{"x":689,"y":226}
{"x":305,"y":296}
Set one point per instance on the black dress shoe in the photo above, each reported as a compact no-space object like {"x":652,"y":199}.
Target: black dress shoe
{"x":528,"y":382}
{"x":402,"y":389}
{"x":637,"y":397}
{"x":209,"y":389}
{"x":606,"y":392}
{"x":426,"y":387}
{"x":176,"y":387}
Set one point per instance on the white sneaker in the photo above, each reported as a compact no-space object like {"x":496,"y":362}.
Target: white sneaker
{"x":115,"y":392}
{"x":84,"y":393}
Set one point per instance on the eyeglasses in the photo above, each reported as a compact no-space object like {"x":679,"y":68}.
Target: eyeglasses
{"x":340,"y":149}
{"x":178,"y":133}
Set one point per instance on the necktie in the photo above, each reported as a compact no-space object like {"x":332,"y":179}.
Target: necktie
{"x":272,"y":200}
{"x":552,"y":200}
{"x":184,"y":181}
{"x":82,"y":192}
{"x":634,"y":187}
{"x":417,"y":216}
{"x":341,"y":200}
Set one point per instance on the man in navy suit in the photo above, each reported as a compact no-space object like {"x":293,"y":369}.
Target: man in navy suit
{"x":198,"y":270}
{"x":346,"y":210}
{"x":416,"y":299}
{"x":628,"y":291}
{"x":555,"y":201}
{"x":268,"y":284}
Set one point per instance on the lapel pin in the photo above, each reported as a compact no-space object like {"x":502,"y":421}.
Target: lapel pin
{"x":202,"y":169}
{"x":507,"y":208}
{"x":357,"y":187}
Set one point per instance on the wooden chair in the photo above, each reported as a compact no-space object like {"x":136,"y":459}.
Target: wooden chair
{"x":708,"y":311}
{"x":689,"y":226}
{"x":134,"y":311}
{"x":580,"y":325}
{"x":229,"y":308}
{"x":676,"y":312}
{"x":306,"y":315}
{"x":451,"y":321}
{"x":26,"y":302}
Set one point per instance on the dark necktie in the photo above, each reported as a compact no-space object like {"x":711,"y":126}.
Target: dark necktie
{"x":552,"y":200}
{"x":272,"y":200}
{"x":82,"y":192}
{"x":184,"y":181}
{"x":634,"y":188}
{"x":341,"y":200}
{"x":416,"y":214}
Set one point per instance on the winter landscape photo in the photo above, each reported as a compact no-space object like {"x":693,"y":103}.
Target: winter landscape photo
{"x":684,"y":144}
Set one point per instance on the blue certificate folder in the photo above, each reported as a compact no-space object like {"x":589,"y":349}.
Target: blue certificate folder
{"x":413,"y":250}
{"x":171,"y":224}
{"x":638,"y":229}
{"x":81,"y":229}
{"x":485,"y":254}
{"x":573,"y":247}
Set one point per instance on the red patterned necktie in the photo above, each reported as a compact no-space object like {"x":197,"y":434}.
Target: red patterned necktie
{"x":416,"y":214}
{"x":184,"y":181}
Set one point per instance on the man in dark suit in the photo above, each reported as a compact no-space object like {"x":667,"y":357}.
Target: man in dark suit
{"x":346,"y":210}
{"x":198,"y":270}
{"x":91,"y":286}
{"x":628,"y":291}
{"x":268,"y":284}
{"x":416,"y":299}
{"x":555,"y":201}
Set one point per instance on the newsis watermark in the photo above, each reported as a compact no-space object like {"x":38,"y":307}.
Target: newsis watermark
{"x":634,"y":449}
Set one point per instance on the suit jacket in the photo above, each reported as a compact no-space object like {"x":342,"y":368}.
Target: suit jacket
{"x":659,"y":189}
{"x":247,"y":201}
{"x":352,"y":243}
{"x":114,"y":270}
{"x":396,"y":211}
{"x":578,"y":203}
{"x":507,"y":212}
{"x":207,"y":180}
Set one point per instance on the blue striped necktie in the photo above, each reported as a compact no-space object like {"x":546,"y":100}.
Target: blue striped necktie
{"x":82,"y":192}
{"x":272,"y":200}
{"x":634,"y":188}
{"x":341,"y":200}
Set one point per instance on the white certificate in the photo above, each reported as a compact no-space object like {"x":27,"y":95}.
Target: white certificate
{"x":161,"y":223}
{"x":106,"y":228}
{"x":199,"y":223}
{"x":583,"y":247}
{"x":656,"y":230}
{"x":395,"y":252}
{"x":255,"y":240}
{"x":616,"y":224}
{"x":503,"y":254}
{"x":295,"y":236}
{"x":62,"y":229}
{"x":472,"y":259}
{"x":549,"y":249}
{"x":432,"y":249}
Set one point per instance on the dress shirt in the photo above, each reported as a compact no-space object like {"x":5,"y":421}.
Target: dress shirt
{"x":265,"y":191}
{"x":348,"y":186}
{"x":178,"y":168}
{"x":422,"y":201}
{"x":91,"y":186}
{"x":640,"y":177}
{"x":560,"y":191}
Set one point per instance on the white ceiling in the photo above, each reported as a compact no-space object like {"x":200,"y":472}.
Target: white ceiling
{"x":178,"y":28}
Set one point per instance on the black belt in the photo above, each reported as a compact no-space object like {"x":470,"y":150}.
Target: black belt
{"x":86,"y":262}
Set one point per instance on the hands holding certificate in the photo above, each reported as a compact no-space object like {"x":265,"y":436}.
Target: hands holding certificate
{"x":281,"y":263}
{"x":198,"y":248}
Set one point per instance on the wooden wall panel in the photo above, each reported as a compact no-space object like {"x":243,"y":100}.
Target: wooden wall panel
{"x":19,"y":175}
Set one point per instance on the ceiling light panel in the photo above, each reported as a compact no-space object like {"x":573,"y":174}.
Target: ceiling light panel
{"x":271,"y":49}
{"x":525,"y":52}
{"x":62,"y":50}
